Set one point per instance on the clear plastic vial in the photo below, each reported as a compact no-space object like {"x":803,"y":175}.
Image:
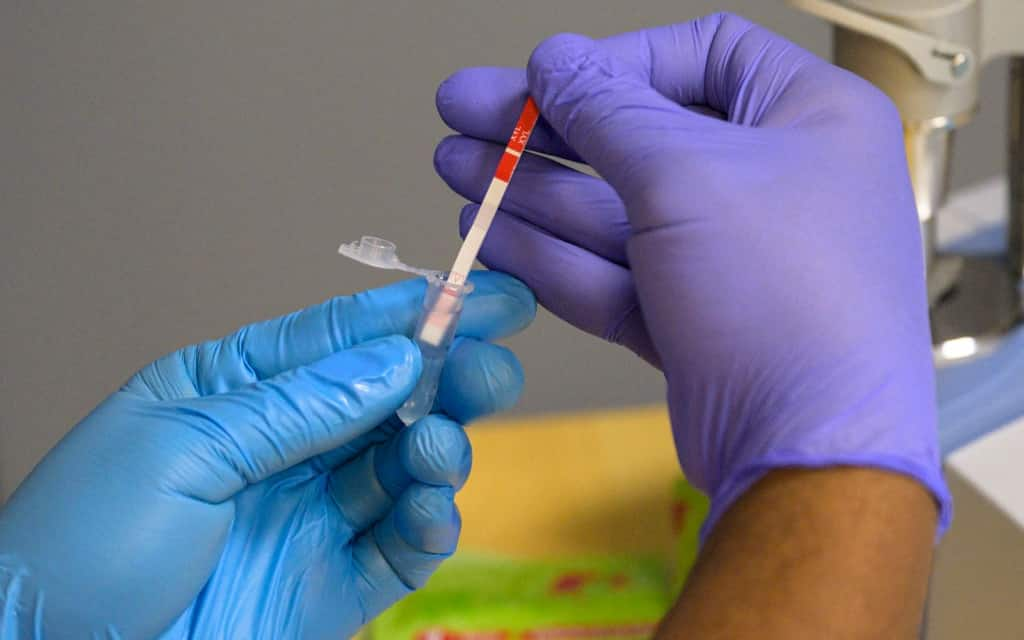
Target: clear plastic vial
{"x":442,"y":305}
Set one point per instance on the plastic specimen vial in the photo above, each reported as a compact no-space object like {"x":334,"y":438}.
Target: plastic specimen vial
{"x":442,"y":305}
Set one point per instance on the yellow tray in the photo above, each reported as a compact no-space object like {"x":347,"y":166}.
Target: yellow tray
{"x":571,"y":484}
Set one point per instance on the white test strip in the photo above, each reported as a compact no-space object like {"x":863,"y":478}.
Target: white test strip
{"x":436,"y":324}
{"x":475,"y":238}
{"x":495,"y":192}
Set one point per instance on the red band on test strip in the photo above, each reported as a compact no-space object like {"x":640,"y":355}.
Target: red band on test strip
{"x":492,"y":198}
{"x":527,"y":121}
{"x":517,"y":143}
{"x":506,"y":166}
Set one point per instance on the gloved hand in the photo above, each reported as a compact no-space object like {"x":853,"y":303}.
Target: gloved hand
{"x":767,"y":259}
{"x":259,"y":486}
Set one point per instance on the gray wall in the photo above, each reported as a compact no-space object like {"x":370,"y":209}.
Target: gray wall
{"x":171,"y":170}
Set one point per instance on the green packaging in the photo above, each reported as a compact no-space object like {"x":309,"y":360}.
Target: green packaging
{"x":689,"y":510}
{"x":476,"y":596}
{"x":479,"y":597}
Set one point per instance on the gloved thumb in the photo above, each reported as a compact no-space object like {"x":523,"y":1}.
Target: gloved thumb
{"x":247,"y":435}
{"x":606,"y":110}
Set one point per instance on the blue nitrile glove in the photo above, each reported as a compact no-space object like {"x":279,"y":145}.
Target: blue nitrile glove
{"x":768,"y":260}
{"x":259,"y":486}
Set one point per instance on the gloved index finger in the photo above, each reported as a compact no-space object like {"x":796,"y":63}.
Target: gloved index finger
{"x":702,"y":63}
{"x":485,"y":103}
{"x":498,"y":307}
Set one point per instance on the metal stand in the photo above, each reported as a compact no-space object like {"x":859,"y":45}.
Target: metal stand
{"x":981,"y":295}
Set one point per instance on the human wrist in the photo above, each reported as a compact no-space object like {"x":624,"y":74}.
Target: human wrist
{"x":848,"y":414}
{"x":845,"y":550}
{"x":928,"y":476}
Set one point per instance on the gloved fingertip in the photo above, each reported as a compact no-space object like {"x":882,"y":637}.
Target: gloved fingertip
{"x":499,"y":306}
{"x":447,"y":93}
{"x":443,"y":153}
{"x":465,"y":165}
{"x":427,"y":519}
{"x":560,"y":52}
{"x":480,"y":379}
{"x":421,"y":531}
{"x":435,"y":451}
{"x":524,"y":296}
{"x":591,"y":99}
{"x":497,"y":282}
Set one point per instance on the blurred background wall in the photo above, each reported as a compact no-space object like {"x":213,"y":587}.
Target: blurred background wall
{"x":172,"y":170}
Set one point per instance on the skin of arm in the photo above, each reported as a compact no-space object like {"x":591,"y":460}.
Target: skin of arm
{"x":841,"y":553}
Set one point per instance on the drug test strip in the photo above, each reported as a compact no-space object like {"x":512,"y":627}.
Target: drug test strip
{"x":435,"y":325}
{"x":495,"y":192}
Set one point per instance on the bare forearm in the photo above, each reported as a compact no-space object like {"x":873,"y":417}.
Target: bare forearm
{"x":839,"y":553}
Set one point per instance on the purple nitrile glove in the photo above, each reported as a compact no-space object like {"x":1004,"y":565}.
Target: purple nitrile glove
{"x":769,"y":262}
